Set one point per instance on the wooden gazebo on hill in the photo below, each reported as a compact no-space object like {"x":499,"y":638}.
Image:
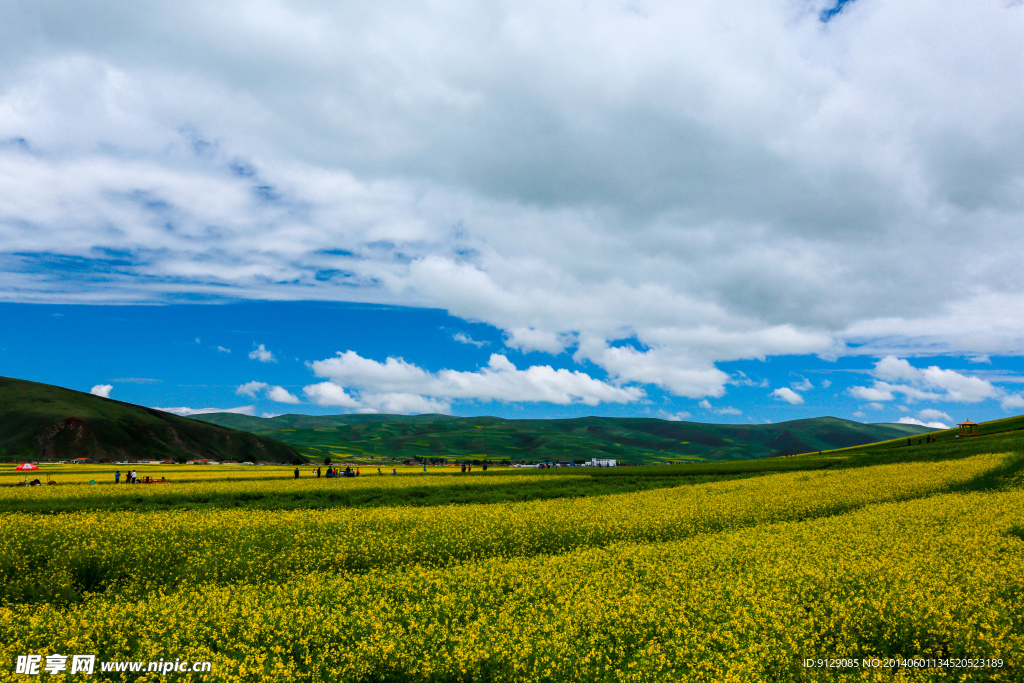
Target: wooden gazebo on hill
{"x":968,"y":428}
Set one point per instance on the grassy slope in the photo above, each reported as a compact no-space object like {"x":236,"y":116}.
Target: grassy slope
{"x":43,"y":421}
{"x":639,"y":440}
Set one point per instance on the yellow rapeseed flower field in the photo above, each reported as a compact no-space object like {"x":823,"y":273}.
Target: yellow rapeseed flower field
{"x":742,"y":580}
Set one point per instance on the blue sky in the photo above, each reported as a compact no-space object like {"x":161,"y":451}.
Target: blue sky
{"x":203,"y":357}
{"x":646,"y":208}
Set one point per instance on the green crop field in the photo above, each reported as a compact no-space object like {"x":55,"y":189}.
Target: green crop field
{"x":890,"y":562}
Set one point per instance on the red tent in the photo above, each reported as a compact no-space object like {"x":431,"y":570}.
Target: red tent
{"x":25,"y":467}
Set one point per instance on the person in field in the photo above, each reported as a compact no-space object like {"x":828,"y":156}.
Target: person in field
{"x":296,"y":472}
{"x":378,"y":471}
{"x":117,"y":477}
{"x":394,"y":470}
{"x":463,"y":468}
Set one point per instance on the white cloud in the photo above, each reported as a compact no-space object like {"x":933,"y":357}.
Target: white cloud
{"x":931,"y":383}
{"x":674,"y":417}
{"x":715,"y":183}
{"x":725,"y":410}
{"x":803,"y":385}
{"x":101,"y":390}
{"x":223,"y":350}
{"x":281,"y":395}
{"x":741,"y":379}
{"x":329,"y":394}
{"x":396,"y":386}
{"x":274,"y":393}
{"x":891,"y":368}
{"x":879,"y":392}
{"x":860,"y":414}
{"x":826,"y":383}
{"x":959,"y":388}
{"x":661,"y":366}
{"x":250,"y":389}
{"x":1012,"y":402}
{"x":788,"y":395}
{"x":499,"y":381}
{"x":464,"y":338}
{"x":186,"y":411}
{"x":875,"y":406}
{"x":932,"y":414}
{"x":980,"y":359}
{"x":913,"y":421}
{"x":261,"y":354}
{"x":402,"y":404}
{"x":532,"y":339}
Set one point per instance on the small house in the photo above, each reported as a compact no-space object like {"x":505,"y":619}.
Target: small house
{"x":603,"y":462}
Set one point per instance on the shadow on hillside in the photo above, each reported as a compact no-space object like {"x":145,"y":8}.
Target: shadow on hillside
{"x":1008,"y":475}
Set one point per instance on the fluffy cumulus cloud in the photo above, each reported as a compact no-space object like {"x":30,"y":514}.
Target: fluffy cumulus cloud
{"x":261,"y":354}
{"x":896,"y":376}
{"x":708,"y":182}
{"x":330,"y":394}
{"x":102,"y":390}
{"x":788,"y":395}
{"x":397,"y":383}
{"x":274,"y":393}
{"x":281,"y":395}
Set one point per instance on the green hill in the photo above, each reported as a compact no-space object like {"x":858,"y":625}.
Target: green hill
{"x":637,"y":440}
{"x":40,"y":421}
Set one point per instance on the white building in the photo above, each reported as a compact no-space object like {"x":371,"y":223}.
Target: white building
{"x":603,"y":462}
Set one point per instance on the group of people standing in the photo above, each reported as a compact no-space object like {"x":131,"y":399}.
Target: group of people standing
{"x":336,"y":472}
{"x":133,"y":478}
{"x":349,"y":471}
{"x":333,"y":472}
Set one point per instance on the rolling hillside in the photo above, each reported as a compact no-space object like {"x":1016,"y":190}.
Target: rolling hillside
{"x":40,"y":421}
{"x":640,"y":440}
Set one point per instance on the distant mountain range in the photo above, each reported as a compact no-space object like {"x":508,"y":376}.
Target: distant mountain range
{"x":42,"y":422}
{"x":637,"y":440}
